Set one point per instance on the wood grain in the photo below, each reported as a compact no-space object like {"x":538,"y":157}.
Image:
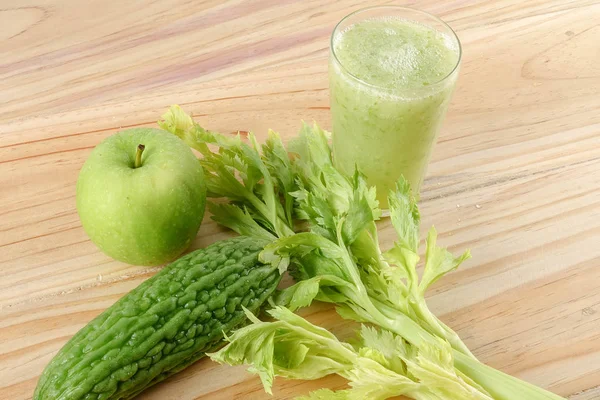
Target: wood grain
{"x":515,"y":175}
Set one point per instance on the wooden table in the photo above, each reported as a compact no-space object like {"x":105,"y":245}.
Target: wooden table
{"x":515,"y":175}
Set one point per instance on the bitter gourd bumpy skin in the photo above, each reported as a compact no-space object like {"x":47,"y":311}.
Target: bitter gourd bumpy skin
{"x":162,"y":326}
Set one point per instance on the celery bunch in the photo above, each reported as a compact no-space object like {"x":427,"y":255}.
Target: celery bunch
{"x":338,"y":260}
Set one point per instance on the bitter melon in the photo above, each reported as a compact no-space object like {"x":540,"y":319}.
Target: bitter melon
{"x":162,"y":326}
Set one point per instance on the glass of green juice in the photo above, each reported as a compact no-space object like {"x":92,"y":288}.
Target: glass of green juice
{"x":392,"y":71}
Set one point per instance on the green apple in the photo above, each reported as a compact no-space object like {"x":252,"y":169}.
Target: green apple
{"x":141,"y":196}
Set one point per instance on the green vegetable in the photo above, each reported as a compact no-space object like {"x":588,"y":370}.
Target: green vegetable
{"x":162,"y":326}
{"x":339,"y":261}
{"x":380,"y":366}
{"x":367,"y":284}
{"x":238,"y":172}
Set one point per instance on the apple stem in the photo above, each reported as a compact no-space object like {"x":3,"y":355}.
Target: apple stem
{"x":138,"y":156}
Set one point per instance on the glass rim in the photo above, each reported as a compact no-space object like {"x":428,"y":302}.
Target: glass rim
{"x":361,"y":10}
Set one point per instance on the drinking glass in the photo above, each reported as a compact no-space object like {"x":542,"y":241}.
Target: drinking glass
{"x":386,"y":123}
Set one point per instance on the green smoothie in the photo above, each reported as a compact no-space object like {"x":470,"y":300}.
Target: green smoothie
{"x":391,"y":80}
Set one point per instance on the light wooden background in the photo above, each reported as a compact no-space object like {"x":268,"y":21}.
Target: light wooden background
{"x":515,"y":175}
